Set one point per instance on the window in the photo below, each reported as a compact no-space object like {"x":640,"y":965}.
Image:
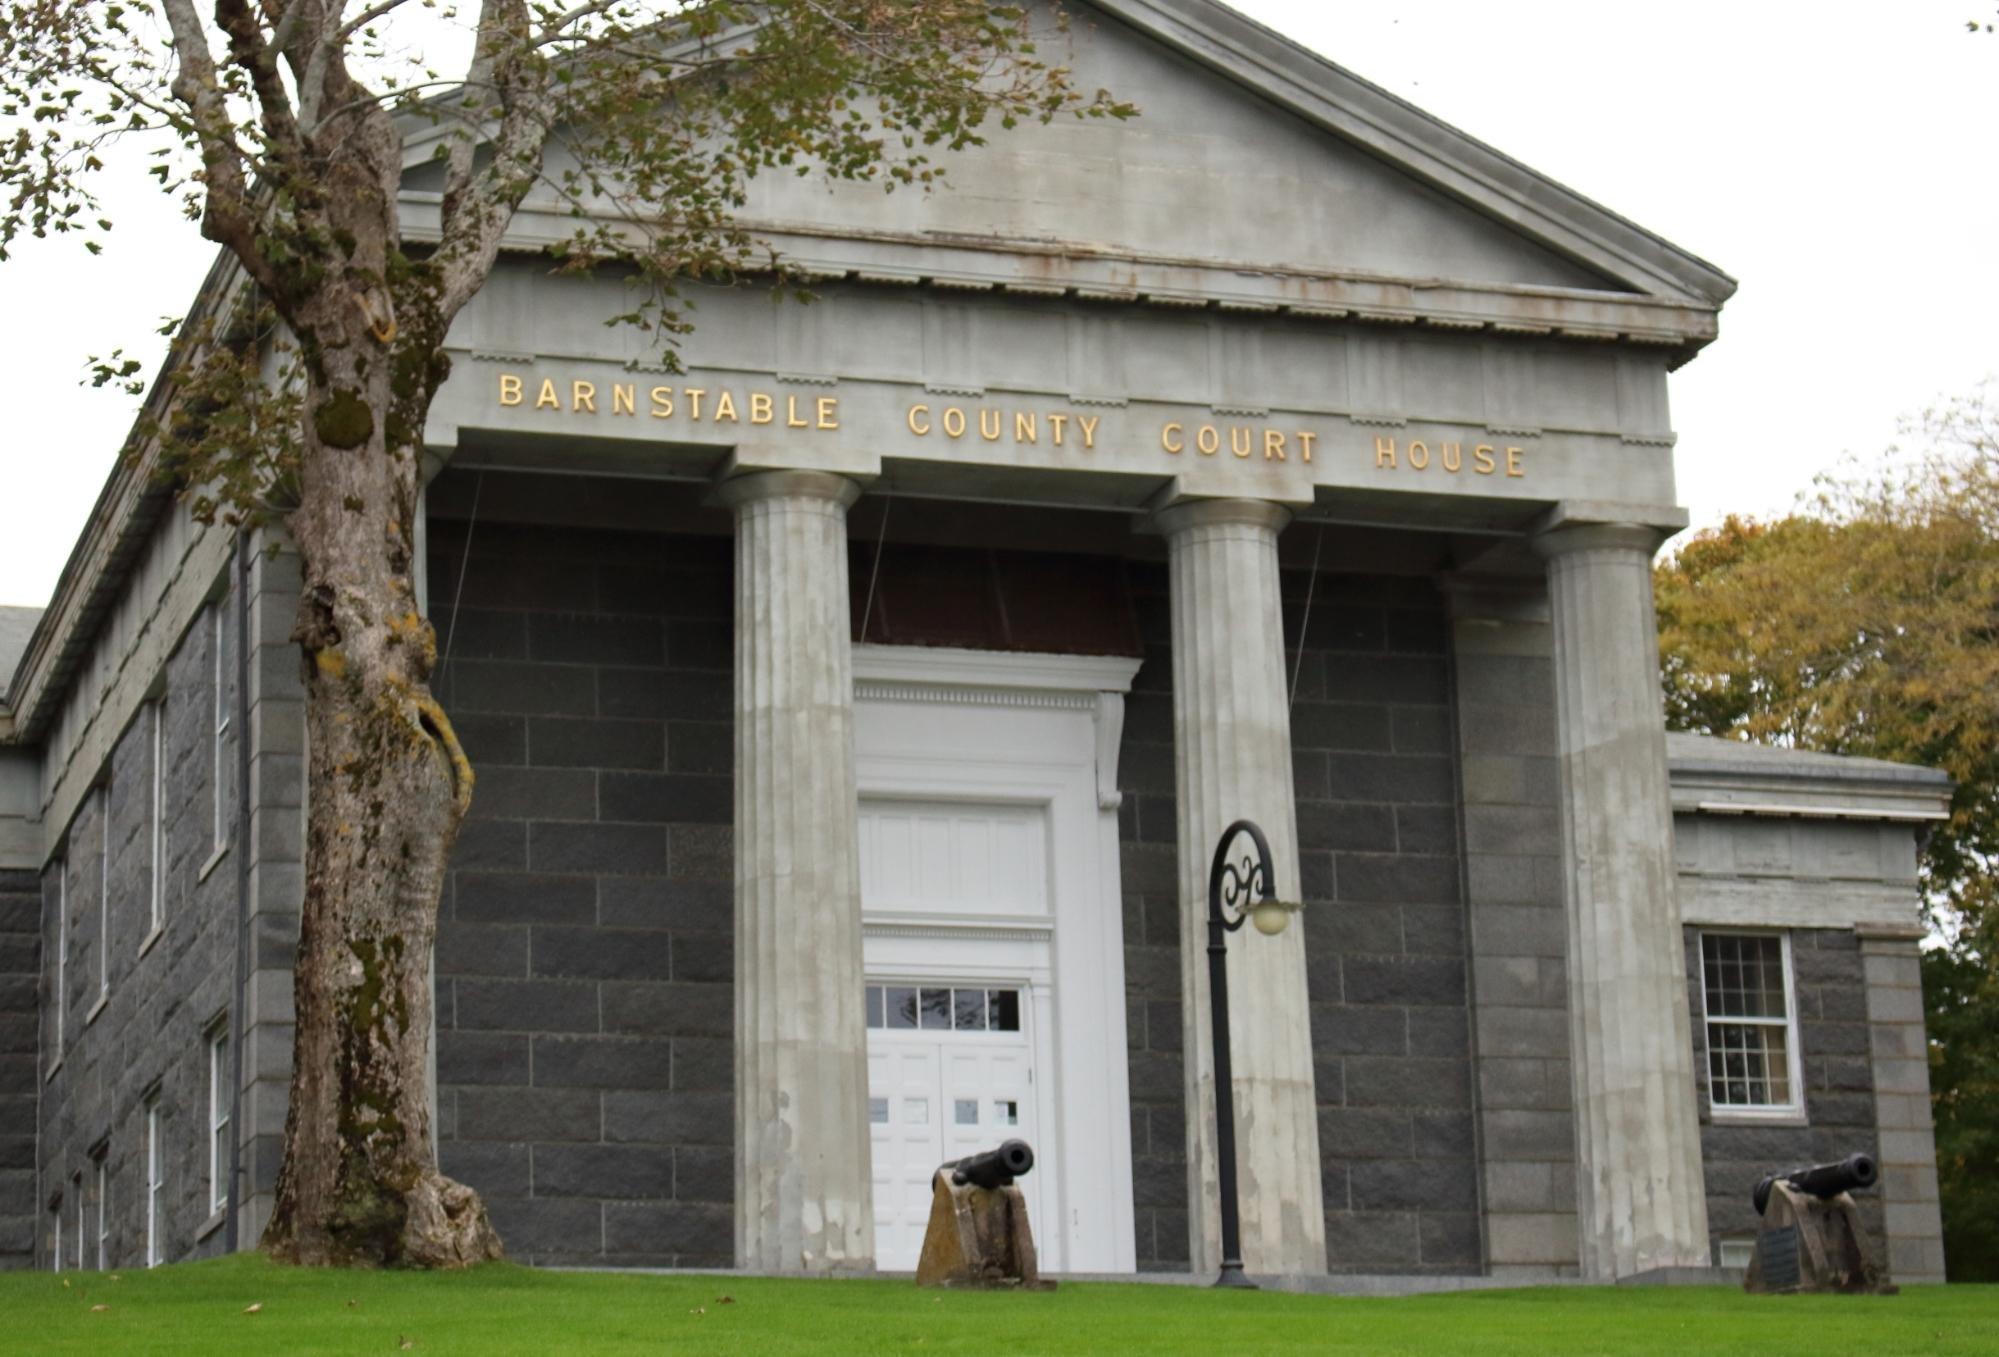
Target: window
{"x":100,"y":1162}
{"x":1737,"y":1251}
{"x":156,"y":829}
{"x":943,"y":1009}
{"x":55,"y":1237}
{"x":1752,"y":1047}
{"x":153,"y":1176}
{"x":218,"y":1117}
{"x":62,"y":956}
{"x":76,"y":1191}
{"x":103,"y":893}
{"x":219,"y":726}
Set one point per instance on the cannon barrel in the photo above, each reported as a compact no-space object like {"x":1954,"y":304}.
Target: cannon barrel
{"x":994,"y":1168}
{"x":1821,"y":1180}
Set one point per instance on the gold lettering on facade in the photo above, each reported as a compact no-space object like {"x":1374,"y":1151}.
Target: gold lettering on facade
{"x":662,"y":402}
{"x":624,"y":398}
{"x":989,"y":429}
{"x":1056,"y":423}
{"x":1026,"y":427}
{"x":583,"y":396}
{"x":1305,"y":442}
{"x":1384,"y":451}
{"x":725,"y":408}
{"x":1273,"y":446}
{"x":546,"y":399}
{"x":1239,"y":440}
{"x":1481,"y":457}
{"x":510,"y":389}
{"x":1513,"y":467}
{"x":1419,"y":455}
{"x":1449,"y":457}
{"x":1208,"y":440}
{"x":760,"y":408}
{"x":791,"y":419}
{"x":694,"y":395}
{"x":1171,"y":440}
{"x":1088,"y":424}
{"x":1453,"y":455}
{"x":919,"y":420}
{"x":829,"y":412}
{"x":954,"y":422}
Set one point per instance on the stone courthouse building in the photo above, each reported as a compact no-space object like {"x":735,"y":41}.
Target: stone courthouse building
{"x":856,"y":711}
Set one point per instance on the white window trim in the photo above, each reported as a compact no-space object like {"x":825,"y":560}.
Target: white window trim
{"x":55,"y":1251}
{"x":156,"y":831}
{"x":76,"y":1183}
{"x":218,"y":738}
{"x":103,"y":899}
{"x":62,"y":962}
{"x":1789,"y":1113}
{"x":154,"y":1177}
{"x":103,"y":1174}
{"x":218,"y":1116}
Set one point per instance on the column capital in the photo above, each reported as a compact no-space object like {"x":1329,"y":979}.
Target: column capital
{"x":737,"y":491}
{"x":1568,"y":538}
{"x":1204,"y":513}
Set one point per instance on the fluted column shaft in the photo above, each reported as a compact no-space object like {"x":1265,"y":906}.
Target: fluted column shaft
{"x":1640,"y":1203}
{"x":804,"y":1191}
{"x":1232,"y":754}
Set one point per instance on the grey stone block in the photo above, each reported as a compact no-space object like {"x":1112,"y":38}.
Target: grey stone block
{"x":654,"y":694}
{"x":1530,"y":1135}
{"x":1426,"y":829}
{"x":525,"y":689}
{"x":601,"y":953}
{"x":668,"y":1010}
{"x":1434,"y":930}
{"x":601,"y":1062}
{"x":623,"y":1172}
{"x":674,"y":903}
{"x":1391,"y":777}
{"x":522,"y":898}
{"x":490,"y":846}
{"x":702,"y":852}
{"x":1507,"y":727}
{"x":492,"y":739}
{"x":1421,"y":730}
{"x":479,"y":633}
{"x":670,"y":1118}
{"x":1348,"y":1133}
{"x":700,"y":747}
{"x":578,"y":742}
{"x":492,"y":1170}
{"x":702,"y":1174}
{"x":1377,"y":1081}
{"x":1449,"y":1239}
{"x":1349,"y":928}
{"x":1348,"y":1030}
{"x":481,"y":1058}
{"x":1518,"y":930}
{"x":1354,"y":828}
{"x":465,"y":948}
{"x":703,"y":958}
{"x":1341,"y":726}
{"x":1513,"y":830}
{"x":701,"y":644}
{"x":681,"y":1228}
{"x":1412,"y":981}
{"x":703,"y":1065}
{"x":1412,"y":1185}
{"x":1439,"y":1033}
{"x":602,"y":849}
{"x":522,"y":1114}
{"x":1371,"y":1239}
{"x":685,"y":798}
{"x":544,"y":1225}
{"x":1381,"y":879}
{"x":596,"y":639}
{"x":504,"y":793}
{"x":1443,"y":1135}
{"x":1398,"y":679}
{"x":524,"y":1005}
{"x":1541,"y":1033}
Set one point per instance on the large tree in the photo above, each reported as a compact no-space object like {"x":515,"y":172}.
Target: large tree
{"x":1868,"y":624}
{"x":300,"y":391}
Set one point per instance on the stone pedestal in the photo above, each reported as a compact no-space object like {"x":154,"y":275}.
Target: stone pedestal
{"x":804,"y":1192}
{"x":1640,"y":1198}
{"x":1232,"y":753}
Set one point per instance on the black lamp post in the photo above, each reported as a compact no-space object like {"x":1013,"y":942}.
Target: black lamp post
{"x":1238,"y":890}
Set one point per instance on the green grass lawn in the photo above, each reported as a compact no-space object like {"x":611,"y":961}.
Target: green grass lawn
{"x":200,"y":1308}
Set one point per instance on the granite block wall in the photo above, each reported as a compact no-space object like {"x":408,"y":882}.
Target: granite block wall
{"x":1150,"y":878}
{"x":1836,"y":1058}
{"x":584,"y":970}
{"x":1372,"y":752}
{"x":139,"y":1002}
{"x":20,"y":1025}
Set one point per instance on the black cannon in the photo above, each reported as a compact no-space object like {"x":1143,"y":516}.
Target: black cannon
{"x":995,"y":1168}
{"x":1824,"y":1181}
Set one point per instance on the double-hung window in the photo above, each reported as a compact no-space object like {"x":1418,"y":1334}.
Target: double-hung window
{"x":218,"y":730}
{"x":76,"y":1189}
{"x":156,"y":826}
{"x":218,"y":1117}
{"x":103,"y":897}
{"x":101,"y":1170}
{"x":1752,"y":1034}
{"x":62,"y":958}
{"x":154,"y":1155}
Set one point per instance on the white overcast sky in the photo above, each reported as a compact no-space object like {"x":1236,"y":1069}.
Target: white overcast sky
{"x":1835,"y":158}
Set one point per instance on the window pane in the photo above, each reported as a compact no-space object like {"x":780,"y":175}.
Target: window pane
{"x":1006,"y":1112}
{"x":1743,"y":975}
{"x":901,"y":1007}
{"x":878,"y":1111}
{"x":1005,"y":1009}
{"x":937,"y":1009}
{"x":969,"y":1009}
{"x":965,"y":1111}
{"x":877,"y":1007}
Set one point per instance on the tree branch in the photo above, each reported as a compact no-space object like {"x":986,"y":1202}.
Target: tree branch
{"x":226,"y":218}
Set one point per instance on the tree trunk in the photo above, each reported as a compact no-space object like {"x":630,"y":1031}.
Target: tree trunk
{"x":387,"y":787}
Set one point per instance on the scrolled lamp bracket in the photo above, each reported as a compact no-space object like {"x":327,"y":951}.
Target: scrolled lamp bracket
{"x":1244,"y":889}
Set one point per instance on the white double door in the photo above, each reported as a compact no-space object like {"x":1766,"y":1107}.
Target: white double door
{"x":994,"y":941}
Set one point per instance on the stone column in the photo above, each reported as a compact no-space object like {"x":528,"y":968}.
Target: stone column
{"x":1908,"y":1147}
{"x":1232,"y":755}
{"x":1639,"y":1194}
{"x":804,"y":1191}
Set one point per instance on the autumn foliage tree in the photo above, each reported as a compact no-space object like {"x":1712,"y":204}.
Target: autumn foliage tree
{"x":1868,"y":624}
{"x":299,"y":391}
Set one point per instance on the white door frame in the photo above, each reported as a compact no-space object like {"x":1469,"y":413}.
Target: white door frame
{"x":939,"y":724}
